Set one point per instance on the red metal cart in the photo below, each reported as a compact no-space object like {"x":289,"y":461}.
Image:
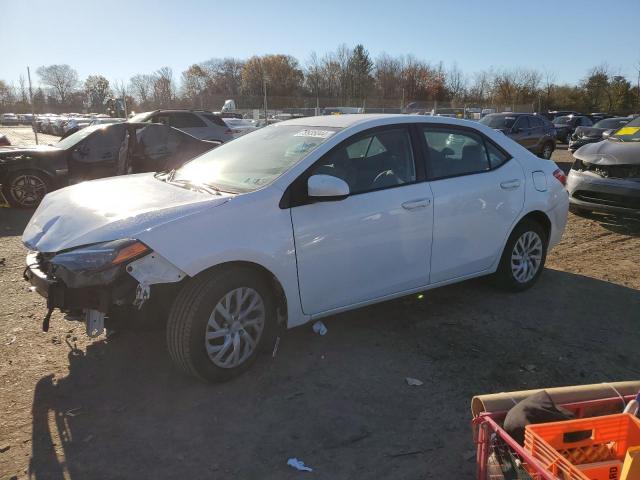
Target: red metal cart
{"x":495,"y":448}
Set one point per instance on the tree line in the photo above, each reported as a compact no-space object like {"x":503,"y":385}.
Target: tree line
{"x":344,"y":77}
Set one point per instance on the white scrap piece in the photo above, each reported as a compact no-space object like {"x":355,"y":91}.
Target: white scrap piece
{"x":298,"y":465}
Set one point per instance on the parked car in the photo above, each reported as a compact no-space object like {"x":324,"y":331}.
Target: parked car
{"x":294,"y":222}
{"x":199,"y":123}
{"x":566,"y":125}
{"x":605,"y":176}
{"x":533,"y":132}
{"x":9,"y":119}
{"x":552,"y":115}
{"x":583,"y":135}
{"x":27,"y":174}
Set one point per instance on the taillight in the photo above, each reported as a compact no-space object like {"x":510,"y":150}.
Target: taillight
{"x":228,"y":131}
{"x":560,"y":176}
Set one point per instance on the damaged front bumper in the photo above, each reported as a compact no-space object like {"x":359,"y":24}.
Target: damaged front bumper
{"x":97,"y":294}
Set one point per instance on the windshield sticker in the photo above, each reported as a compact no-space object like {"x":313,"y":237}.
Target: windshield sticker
{"x":628,"y":131}
{"x":314,"y":133}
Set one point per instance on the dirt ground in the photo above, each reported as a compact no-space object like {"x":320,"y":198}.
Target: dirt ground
{"x":76,"y":408}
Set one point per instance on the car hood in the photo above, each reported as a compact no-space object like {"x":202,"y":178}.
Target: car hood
{"x":610,"y":152}
{"x":109,"y":209}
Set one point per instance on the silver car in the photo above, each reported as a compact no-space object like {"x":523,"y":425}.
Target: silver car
{"x":197,"y":123}
{"x":606,"y":175}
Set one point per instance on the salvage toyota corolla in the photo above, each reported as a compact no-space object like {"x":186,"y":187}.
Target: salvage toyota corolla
{"x":291,"y":223}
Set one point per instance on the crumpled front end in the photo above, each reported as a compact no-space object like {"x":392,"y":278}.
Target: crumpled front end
{"x":106,"y":283}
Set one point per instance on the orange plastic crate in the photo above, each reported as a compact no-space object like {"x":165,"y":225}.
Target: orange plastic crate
{"x":596,"y":445}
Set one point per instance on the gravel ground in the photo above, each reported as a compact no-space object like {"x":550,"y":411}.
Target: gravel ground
{"x":76,"y":408}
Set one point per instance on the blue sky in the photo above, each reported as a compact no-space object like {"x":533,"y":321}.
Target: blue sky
{"x":119,"y":38}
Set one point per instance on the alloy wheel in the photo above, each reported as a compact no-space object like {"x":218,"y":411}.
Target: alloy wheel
{"x":526,"y":257}
{"x":27,"y":190}
{"x":235,"y":327}
{"x":547,"y":151}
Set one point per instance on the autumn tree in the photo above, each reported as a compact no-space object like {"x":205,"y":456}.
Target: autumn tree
{"x":282,"y":73}
{"x":61,"y":78}
{"x":163,"y":90}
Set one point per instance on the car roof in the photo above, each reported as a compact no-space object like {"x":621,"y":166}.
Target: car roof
{"x":353,"y":119}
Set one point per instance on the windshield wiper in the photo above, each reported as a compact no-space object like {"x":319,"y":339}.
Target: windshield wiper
{"x":197,"y":187}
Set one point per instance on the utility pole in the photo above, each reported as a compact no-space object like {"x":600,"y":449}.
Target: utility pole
{"x":264,"y":86}
{"x":33,"y":114}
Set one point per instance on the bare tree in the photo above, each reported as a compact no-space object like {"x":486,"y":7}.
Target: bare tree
{"x":22,"y":89}
{"x":61,"y":78}
{"x":456,"y":83}
{"x":141,"y":86}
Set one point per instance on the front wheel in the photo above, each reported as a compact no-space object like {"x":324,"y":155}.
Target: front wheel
{"x":523,"y":257}
{"x":219,"y":322}
{"x":547,"y":151}
{"x":26,"y":189}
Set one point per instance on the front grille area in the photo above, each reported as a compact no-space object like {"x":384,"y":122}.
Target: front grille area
{"x":609,"y":199}
{"x":608,"y":171}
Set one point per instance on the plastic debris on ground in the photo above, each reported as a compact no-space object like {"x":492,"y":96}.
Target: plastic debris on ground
{"x":320,"y":328}
{"x":298,"y":465}
{"x":414,"y":382}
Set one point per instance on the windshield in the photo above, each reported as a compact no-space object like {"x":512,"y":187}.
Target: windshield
{"x":611,"y":123}
{"x":80,"y":135}
{"x":630,"y":132}
{"x":256,"y":159}
{"x":499,"y":121}
{"x":564,"y":120}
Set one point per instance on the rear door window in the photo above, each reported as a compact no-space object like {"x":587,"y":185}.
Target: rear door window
{"x":455,"y":152}
{"x":523,"y":123}
{"x":185,"y":120}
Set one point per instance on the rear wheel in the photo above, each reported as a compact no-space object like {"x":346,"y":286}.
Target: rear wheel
{"x":26,"y":188}
{"x":523,"y":257}
{"x":567,"y":139}
{"x":219,"y":323}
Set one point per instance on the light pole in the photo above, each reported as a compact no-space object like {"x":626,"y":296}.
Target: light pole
{"x":33,"y":112}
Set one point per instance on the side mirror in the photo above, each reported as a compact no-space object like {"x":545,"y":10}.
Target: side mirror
{"x":606,"y":134}
{"x":327,"y":187}
{"x":516,"y":130}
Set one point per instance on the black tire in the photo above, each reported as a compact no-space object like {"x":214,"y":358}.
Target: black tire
{"x":547,"y":150}
{"x":188,"y":317}
{"x":504,"y":275}
{"x":33,"y":199}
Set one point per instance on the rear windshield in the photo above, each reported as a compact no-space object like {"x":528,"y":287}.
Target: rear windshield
{"x":564,"y":120}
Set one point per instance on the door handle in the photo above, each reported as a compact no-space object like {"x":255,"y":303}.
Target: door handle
{"x":414,"y":204}
{"x":510,"y":184}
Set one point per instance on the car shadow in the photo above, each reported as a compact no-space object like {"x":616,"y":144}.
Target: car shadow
{"x":13,"y":221}
{"x":616,"y":223}
{"x":339,"y":402}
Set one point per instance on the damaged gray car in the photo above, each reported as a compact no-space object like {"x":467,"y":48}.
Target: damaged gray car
{"x":605,"y":176}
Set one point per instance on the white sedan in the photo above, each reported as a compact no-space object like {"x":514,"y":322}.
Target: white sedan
{"x":291,"y":223}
